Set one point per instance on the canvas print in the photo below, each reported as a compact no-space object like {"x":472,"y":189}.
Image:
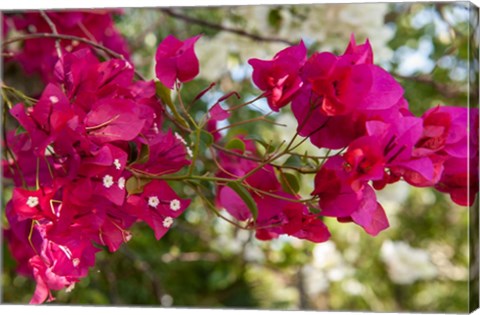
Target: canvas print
{"x":278,"y":157}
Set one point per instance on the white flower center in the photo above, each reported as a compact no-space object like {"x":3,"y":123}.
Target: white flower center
{"x":76,"y":262}
{"x":155,"y":128}
{"x":121,"y":182}
{"x":175,"y":204}
{"x":32,"y":201}
{"x":179,"y":137}
{"x":167,"y":222}
{"x":70,"y":288}
{"x":153,"y":201}
{"x":53,"y":99}
{"x":117,"y":164}
{"x":107,"y":181}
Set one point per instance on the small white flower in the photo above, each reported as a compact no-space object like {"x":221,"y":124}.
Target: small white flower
{"x":53,"y":99}
{"x":406,"y":264}
{"x":117,"y":164}
{"x":167,"y":222}
{"x":175,"y":204}
{"x":179,"y":137}
{"x":121,"y":182}
{"x":153,"y":201}
{"x":32,"y":201}
{"x":70,"y":288}
{"x":189,"y":151}
{"x":76,"y":262}
{"x":107,"y":181}
{"x":155,"y":128}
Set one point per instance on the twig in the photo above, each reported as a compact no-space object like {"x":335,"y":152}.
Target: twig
{"x":93,"y":44}
{"x":54,"y":31}
{"x":446,"y":90}
{"x":240,"y":32}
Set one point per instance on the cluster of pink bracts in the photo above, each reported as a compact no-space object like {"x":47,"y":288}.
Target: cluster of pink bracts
{"x":346,"y":102}
{"x":79,"y":165}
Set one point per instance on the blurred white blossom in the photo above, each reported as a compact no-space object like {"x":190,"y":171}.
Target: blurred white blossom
{"x":327,"y":266}
{"x":407,"y":264}
{"x":328,"y":25}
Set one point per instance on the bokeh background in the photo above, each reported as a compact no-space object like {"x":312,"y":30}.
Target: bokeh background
{"x":421,"y":263}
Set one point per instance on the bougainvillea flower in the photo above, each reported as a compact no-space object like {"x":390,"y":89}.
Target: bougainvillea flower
{"x":370,"y":214}
{"x":18,"y":241}
{"x":158,"y":205}
{"x":444,"y":129}
{"x":33,"y":204}
{"x":359,"y":54}
{"x":228,"y":199}
{"x":106,"y":171}
{"x":459,"y":180}
{"x":364,"y":161}
{"x":167,"y":154}
{"x":32,"y":167}
{"x":279,"y":216}
{"x":40,"y":56}
{"x":398,"y":141}
{"x":338,"y":198}
{"x":176,"y":60}
{"x":345,"y":87}
{"x":280,"y":77}
{"x":45,"y":280}
{"x":60,"y":265}
{"x":278,"y":212}
{"x":332,"y":186}
{"x":113,"y":120}
{"x":333,"y":132}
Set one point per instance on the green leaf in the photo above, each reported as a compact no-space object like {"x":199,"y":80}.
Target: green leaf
{"x":269,"y":148}
{"x":246,"y":197}
{"x":235,"y":144}
{"x":289,"y":183}
{"x":134,"y":185}
{"x":144,"y":154}
{"x":165,"y":95}
{"x":294,"y":160}
{"x":207,"y":138}
{"x":20,"y":130}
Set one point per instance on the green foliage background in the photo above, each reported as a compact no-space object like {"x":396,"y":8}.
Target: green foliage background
{"x":193,"y":265}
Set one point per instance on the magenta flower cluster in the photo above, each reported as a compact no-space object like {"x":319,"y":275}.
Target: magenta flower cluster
{"x":87,"y":159}
{"x":76,"y":156}
{"x":39,"y":55}
{"x":347,"y":103}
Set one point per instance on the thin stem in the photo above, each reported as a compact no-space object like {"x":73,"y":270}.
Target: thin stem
{"x":247,"y":103}
{"x":212,"y":207}
{"x":240,"y":123}
{"x":37,"y":175}
{"x":54,"y":31}
{"x":8,"y":151}
{"x":18,"y":93}
{"x":182,"y":105}
{"x":102,"y":124}
{"x":240,"y":32}
{"x":30,"y":234}
{"x":196,"y":150}
{"x":261,"y":192}
{"x":71,"y":38}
